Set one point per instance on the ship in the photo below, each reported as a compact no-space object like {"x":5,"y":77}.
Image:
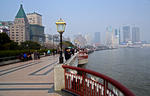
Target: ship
{"x":82,"y":57}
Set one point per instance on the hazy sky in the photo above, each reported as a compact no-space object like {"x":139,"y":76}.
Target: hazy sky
{"x":84,"y":16}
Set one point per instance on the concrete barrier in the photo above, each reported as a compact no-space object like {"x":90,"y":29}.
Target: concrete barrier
{"x":59,"y":79}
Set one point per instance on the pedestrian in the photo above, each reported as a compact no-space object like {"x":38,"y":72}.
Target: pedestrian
{"x":38,"y":55}
{"x":72,"y":51}
{"x":35,"y":55}
{"x":67,"y":53}
{"x":32,"y":55}
{"x":48,"y":52}
{"x":25,"y":56}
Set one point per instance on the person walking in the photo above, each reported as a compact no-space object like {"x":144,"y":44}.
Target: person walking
{"x":25,"y":56}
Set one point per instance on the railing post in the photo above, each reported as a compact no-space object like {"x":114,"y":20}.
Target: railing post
{"x":105,"y":87}
{"x":65,"y":78}
{"x":83,"y":79}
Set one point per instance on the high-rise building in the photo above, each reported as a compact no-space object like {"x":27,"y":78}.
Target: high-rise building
{"x":116,"y":38}
{"x":97,"y":38}
{"x":36,"y":28}
{"x":109,"y":36}
{"x":135,"y":34}
{"x":126,"y":34}
{"x":119,"y":36}
{"x":34,"y":18}
{"x":19,"y":31}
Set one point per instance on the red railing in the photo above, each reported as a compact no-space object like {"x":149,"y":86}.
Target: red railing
{"x":86,"y":82}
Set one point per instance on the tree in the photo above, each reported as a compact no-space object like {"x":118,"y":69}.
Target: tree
{"x":67,"y":44}
{"x":30,"y":45}
{"x":11,"y":46}
{"x":4,"y":38}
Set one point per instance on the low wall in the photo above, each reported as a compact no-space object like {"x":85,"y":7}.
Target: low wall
{"x":59,"y":79}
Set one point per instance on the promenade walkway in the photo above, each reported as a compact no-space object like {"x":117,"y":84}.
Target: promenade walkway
{"x":30,"y":78}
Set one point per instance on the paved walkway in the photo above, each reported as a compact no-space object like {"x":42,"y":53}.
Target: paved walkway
{"x":30,"y":78}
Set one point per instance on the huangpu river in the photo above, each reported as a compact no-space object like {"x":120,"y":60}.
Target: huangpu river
{"x":129,"y":66}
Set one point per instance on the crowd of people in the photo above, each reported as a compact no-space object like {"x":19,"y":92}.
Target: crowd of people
{"x":29,"y":56}
{"x":68,"y":52}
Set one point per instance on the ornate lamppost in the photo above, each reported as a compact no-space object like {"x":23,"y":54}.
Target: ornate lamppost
{"x":60,"y":24}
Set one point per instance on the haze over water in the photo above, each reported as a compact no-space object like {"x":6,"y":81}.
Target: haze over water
{"x":129,"y":66}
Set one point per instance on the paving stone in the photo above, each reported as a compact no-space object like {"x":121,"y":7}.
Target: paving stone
{"x":30,"y":78}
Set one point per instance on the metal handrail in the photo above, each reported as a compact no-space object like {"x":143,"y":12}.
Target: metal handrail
{"x":119,"y":86}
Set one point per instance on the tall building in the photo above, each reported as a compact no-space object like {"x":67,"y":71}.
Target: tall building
{"x":34,"y":18}
{"x":126,"y":34}
{"x":109,"y":36}
{"x":119,"y":36}
{"x":97,"y":38}
{"x":116,"y":38}
{"x":19,"y":31}
{"x":135,"y":34}
{"x":36,"y":28}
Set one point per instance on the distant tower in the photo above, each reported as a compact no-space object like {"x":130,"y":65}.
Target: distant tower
{"x":109,"y":36}
{"x":19,"y":31}
{"x":126,"y":34}
{"x":135,"y":34}
{"x":97,"y":38}
{"x":116,"y":38}
{"x":119,"y":36}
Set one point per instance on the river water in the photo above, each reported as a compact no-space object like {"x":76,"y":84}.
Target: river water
{"x":129,"y":66}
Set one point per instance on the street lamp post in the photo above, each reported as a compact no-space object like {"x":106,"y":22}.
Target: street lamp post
{"x":60,"y":24}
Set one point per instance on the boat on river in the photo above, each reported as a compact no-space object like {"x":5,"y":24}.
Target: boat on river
{"x":82,"y":57}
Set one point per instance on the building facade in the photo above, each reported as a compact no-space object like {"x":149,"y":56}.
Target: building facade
{"x":34,"y":18}
{"x":97,"y":38}
{"x":37,"y":33}
{"x":116,"y":38}
{"x":135,"y":34}
{"x":109,"y":36}
{"x":20,"y":31}
{"x":36,"y":28}
{"x":126,"y":34}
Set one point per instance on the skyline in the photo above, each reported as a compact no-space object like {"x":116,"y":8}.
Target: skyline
{"x":84,"y":16}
